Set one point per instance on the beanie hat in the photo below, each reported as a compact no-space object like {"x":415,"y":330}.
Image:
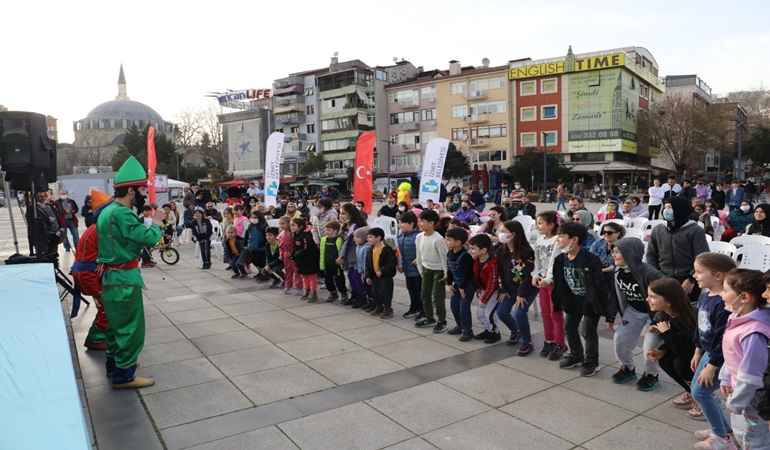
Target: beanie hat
{"x":131,"y":173}
{"x":198,"y":208}
{"x":361,"y":233}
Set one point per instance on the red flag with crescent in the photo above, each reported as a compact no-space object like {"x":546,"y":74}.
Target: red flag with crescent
{"x":152,"y":163}
{"x":362,"y":175}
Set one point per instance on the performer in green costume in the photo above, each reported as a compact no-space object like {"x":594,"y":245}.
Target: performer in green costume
{"x":122,"y":235}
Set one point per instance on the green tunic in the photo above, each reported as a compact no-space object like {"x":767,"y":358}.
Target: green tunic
{"x":122,"y":236}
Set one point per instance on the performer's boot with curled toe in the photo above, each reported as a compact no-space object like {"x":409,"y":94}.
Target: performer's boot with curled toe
{"x":126,"y":379}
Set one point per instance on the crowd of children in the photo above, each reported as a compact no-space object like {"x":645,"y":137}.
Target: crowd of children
{"x":720,"y":346}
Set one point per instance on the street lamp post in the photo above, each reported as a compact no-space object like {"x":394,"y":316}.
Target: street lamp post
{"x":739,"y":168}
{"x":388,"y":163}
{"x":545,"y":165}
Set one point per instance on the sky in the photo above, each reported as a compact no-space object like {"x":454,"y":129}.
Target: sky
{"x":62,"y":58}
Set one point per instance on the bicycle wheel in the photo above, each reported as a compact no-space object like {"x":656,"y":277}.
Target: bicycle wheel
{"x":169,"y":256}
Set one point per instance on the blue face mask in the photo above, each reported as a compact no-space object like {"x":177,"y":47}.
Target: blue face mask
{"x":624,"y":266}
{"x":668,"y":214}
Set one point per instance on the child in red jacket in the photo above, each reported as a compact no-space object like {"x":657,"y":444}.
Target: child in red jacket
{"x":486,"y":273}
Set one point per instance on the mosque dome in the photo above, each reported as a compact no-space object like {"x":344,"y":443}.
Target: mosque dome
{"x":124,"y":109}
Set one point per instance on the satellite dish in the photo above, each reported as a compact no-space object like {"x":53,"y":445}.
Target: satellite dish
{"x":485,"y":62}
{"x":336,"y":53}
{"x":463,"y":137}
{"x":395,"y":59}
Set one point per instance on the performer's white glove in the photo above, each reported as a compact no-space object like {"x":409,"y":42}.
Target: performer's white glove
{"x":147,"y":222}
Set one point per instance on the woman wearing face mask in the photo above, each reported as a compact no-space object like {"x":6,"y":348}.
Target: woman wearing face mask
{"x":738,"y":221}
{"x":497,"y":217}
{"x":303,"y":208}
{"x":761,"y":224}
{"x":467,"y":214}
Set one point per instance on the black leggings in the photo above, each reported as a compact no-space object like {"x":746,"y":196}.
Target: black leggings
{"x":678,"y":369}
{"x":653,"y":211}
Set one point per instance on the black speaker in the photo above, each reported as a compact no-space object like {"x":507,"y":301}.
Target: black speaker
{"x":24,"y":142}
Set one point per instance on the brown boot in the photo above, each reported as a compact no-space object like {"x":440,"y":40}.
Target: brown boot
{"x":313,"y":297}
{"x":305,"y":295}
{"x":136,"y":383}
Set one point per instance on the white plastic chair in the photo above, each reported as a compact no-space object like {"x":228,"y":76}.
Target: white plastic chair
{"x":722,"y":247}
{"x":649,"y":225}
{"x":475,"y":229}
{"x":755,"y":257}
{"x":635,"y":233}
{"x":598,"y":226}
{"x":716,"y":225}
{"x":273,"y":222}
{"x":636,"y":222}
{"x":484,"y":219}
{"x":527,"y":222}
{"x":186,"y":236}
{"x":216,"y":242}
{"x":750,"y":239}
{"x":709,"y":238}
{"x":390,"y":226}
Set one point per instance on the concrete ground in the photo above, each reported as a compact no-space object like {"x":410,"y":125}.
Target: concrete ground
{"x":240,"y":366}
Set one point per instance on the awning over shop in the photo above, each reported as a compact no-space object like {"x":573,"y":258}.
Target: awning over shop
{"x":617,"y":166}
{"x":588,"y":168}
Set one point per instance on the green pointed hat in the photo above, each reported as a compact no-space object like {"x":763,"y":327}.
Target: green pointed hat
{"x":131,"y":173}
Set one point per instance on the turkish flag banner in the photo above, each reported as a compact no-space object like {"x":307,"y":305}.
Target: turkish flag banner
{"x":152,"y":163}
{"x":362,"y":175}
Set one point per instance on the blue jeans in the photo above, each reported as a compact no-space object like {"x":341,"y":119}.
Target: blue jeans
{"x":708,"y":404}
{"x":560,"y":204}
{"x":461,"y":308}
{"x":519,"y":320}
{"x":70,"y":225}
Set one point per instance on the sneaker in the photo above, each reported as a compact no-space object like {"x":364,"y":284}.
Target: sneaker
{"x":235,"y":276}
{"x":525,"y":349}
{"x":244,"y":276}
{"x":369,"y":307}
{"x":287,"y":291}
{"x":299,"y":292}
{"x":466,"y":336}
{"x":332,"y":297}
{"x":546,"y":350}
{"x":514,"y":339}
{"x":410,"y":313}
{"x":589,"y":369}
{"x":492,"y":338}
{"x":571,"y":361}
{"x":359,"y":304}
{"x":623,"y":375}
{"x":425,"y":323}
{"x":275,"y":284}
{"x":716,"y":442}
{"x":101,"y":346}
{"x":343,"y":297}
{"x":702,"y":435}
{"x":228,"y":267}
{"x":349,"y":301}
{"x":647,"y":382}
{"x":685,"y":401}
{"x":483,"y":335}
{"x":420,"y":316}
{"x":695,"y":412}
{"x":387,"y":313}
{"x":557,"y":352}
{"x":377,"y":311}
{"x":455,"y":331}
{"x":440,"y":327}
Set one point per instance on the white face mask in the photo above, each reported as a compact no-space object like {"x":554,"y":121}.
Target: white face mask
{"x":517,"y":186}
{"x":568,"y":248}
{"x":504,"y":237}
{"x":729,"y":307}
{"x":744,"y":208}
{"x":359,"y":208}
{"x":255,"y":221}
{"x":64,"y":197}
{"x":402,"y":208}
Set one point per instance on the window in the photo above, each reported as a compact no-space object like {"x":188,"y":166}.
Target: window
{"x":644,"y":91}
{"x":551,"y":137}
{"x":310,"y":109}
{"x":457,"y":88}
{"x":334,"y":124}
{"x":528,"y":113}
{"x":548,"y":86}
{"x":406,"y":160}
{"x":429,"y":114}
{"x":381,"y":75}
{"x":487,"y":83}
{"x":309,"y":90}
{"x":428,"y":92}
{"x":528,"y":88}
{"x":294,"y":129}
{"x":332,"y":105}
{"x":489,"y":156}
{"x":404,"y":117}
{"x":405,"y":139}
{"x":336,"y":144}
{"x":459,"y":134}
{"x":459,"y":110}
{"x":428,"y":136}
{"x":311,"y":128}
{"x":548,"y":111}
{"x":489,"y":131}
{"x":488,"y":107}
{"x":528,"y":140}
{"x":403,"y":96}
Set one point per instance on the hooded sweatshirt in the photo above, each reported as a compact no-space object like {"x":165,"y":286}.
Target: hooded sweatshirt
{"x":643,"y":274}
{"x":744,"y":347}
{"x":761,"y":226}
{"x":674,"y":246}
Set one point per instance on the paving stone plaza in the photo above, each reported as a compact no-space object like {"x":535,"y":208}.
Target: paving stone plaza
{"x":241,"y":366}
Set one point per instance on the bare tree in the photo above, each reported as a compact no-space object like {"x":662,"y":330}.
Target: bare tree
{"x":684,"y":128}
{"x":189,"y":127}
{"x":199,"y":126}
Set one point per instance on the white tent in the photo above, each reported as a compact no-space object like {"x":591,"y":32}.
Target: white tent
{"x":177,"y":184}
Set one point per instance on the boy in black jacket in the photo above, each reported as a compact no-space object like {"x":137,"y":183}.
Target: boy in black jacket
{"x":274,"y":267}
{"x":583,"y":291}
{"x":202,"y":231}
{"x":380,"y":270}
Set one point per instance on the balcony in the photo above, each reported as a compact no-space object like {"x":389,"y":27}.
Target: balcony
{"x":476,"y":95}
{"x":406,"y":126}
{"x":409,"y":104}
{"x":288,"y":81}
{"x":289,"y":99}
{"x":478,"y":142}
{"x":286,"y":119}
{"x":292,"y":89}
{"x":477,"y":118}
{"x":408,"y":148}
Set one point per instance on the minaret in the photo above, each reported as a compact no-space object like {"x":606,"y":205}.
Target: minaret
{"x":122,"y":95}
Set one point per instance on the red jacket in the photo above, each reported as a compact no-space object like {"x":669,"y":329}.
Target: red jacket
{"x":59,"y":209}
{"x":488,"y":280}
{"x":84,"y":271}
